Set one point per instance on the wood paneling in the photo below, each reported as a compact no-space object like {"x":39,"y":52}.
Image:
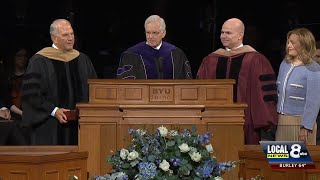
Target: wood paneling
{"x":42,"y":162}
{"x":161,"y":91}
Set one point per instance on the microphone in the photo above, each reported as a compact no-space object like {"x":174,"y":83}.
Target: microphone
{"x":160,"y":63}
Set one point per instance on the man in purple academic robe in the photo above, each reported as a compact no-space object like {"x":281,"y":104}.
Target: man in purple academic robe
{"x":154,"y":58}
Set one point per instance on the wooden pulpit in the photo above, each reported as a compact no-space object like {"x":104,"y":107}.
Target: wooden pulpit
{"x":42,"y":162}
{"x":116,"y":105}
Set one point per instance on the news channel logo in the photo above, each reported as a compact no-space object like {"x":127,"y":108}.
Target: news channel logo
{"x":287,"y":155}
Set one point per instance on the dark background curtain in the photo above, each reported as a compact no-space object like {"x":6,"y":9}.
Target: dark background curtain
{"x":104,"y":29}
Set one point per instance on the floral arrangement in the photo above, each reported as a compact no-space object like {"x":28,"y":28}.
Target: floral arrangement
{"x":169,"y":155}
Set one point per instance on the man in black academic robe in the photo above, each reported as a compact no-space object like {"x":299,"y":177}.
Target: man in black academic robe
{"x":55,"y":80}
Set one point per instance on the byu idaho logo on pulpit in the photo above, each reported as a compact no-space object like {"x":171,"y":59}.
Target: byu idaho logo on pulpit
{"x":161,"y":93}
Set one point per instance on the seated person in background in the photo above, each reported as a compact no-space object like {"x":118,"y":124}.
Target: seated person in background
{"x":11,"y":133}
{"x":20,"y":61}
{"x":4,"y":108}
{"x":154,"y":58}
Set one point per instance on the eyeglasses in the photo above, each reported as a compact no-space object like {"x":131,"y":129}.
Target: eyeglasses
{"x":156,"y":33}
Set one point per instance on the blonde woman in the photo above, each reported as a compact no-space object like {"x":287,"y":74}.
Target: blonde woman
{"x":298,"y":89}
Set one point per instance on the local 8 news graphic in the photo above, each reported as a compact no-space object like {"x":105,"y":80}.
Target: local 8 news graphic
{"x":287,"y":155}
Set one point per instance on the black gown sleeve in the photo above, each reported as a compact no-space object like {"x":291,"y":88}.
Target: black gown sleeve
{"x":182,"y":68}
{"x":131,"y":67}
{"x":36,"y":105}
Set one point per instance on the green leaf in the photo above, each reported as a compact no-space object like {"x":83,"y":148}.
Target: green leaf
{"x":133,"y":163}
{"x":194,"y":130}
{"x":189,"y":166}
{"x":125,"y":166}
{"x":184,"y":162}
{"x":151,"y":158}
{"x":144,"y":159}
{"x":177,"y":153}
{"x":171,"y":143}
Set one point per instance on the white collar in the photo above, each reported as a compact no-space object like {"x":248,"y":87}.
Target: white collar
{"x":228,"y":49}
{"x":54,"y":46}
{"x":158,"y":47}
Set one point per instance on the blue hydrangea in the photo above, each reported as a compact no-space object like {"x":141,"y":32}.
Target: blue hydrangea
{"x":204,"y":138}
{"x":147,"y":170}
{"x":185,"y":133}
{"x":210,"y":167}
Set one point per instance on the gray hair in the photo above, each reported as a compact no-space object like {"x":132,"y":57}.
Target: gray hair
{"x":155,"y":18}
{"x":54,"y":26}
